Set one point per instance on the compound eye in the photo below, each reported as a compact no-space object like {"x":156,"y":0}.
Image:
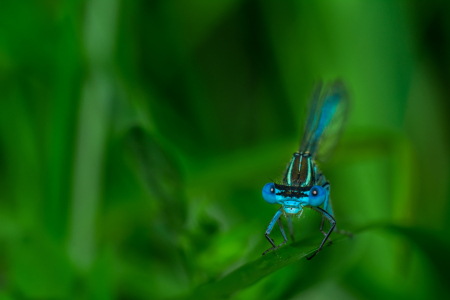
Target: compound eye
{"x":268,"y":193}
{"x":317,"y":195}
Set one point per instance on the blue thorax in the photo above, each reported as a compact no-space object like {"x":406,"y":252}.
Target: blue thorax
{"x":299,"y":186}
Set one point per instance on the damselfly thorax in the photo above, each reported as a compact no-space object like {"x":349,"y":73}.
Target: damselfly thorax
{"x":300,"y":177}
{"x":302,"y":172}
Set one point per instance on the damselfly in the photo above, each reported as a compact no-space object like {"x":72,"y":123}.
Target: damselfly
{"x":303,"y":184}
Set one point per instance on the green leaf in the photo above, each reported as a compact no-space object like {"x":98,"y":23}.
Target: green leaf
{"x":40,"y":269}
{"x":254,"y":271}
{"x":325,"y":262}
{"x":433,"y":245}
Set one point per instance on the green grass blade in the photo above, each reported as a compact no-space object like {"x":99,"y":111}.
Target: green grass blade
{"x":248,"y":274}
{"x":254,"y":271}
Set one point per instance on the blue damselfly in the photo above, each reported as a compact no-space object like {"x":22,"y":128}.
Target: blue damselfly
{"x":303,"y":184}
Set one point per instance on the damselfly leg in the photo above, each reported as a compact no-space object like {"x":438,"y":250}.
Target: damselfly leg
{"x":291,"y":228}
{"x":333,"y":224}
{"x":269,"y":230}
{"x":280,"y":224}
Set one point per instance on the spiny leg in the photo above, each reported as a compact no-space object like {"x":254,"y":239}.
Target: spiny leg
{"x":291,"y":228}
{"x":333,"y":224}
{"x":324,"y":233}
{"x":280,"y":224}
{"x":327,"y":207}
{"x":330,"y":211}
{"x":321,"y":225}
{"x":335,"y":230}
{"x":269,"y":230}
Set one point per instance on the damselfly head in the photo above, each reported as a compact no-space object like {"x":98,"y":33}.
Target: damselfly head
{"x":317,"y":196}
{"x":269,"y":193}
{"x":291,"y":191}
{"x":293,"y":208}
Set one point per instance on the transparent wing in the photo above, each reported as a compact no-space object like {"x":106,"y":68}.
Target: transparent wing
{"x":329,"y":106}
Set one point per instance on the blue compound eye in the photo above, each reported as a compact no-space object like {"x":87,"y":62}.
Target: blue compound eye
{"x":317,"y":195}
{"x":268,"y":193}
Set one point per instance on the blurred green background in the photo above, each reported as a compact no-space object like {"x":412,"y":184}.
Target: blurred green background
{"x":136,"y":136}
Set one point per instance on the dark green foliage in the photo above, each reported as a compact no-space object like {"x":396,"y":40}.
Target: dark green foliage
{"x":136,"y":136}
